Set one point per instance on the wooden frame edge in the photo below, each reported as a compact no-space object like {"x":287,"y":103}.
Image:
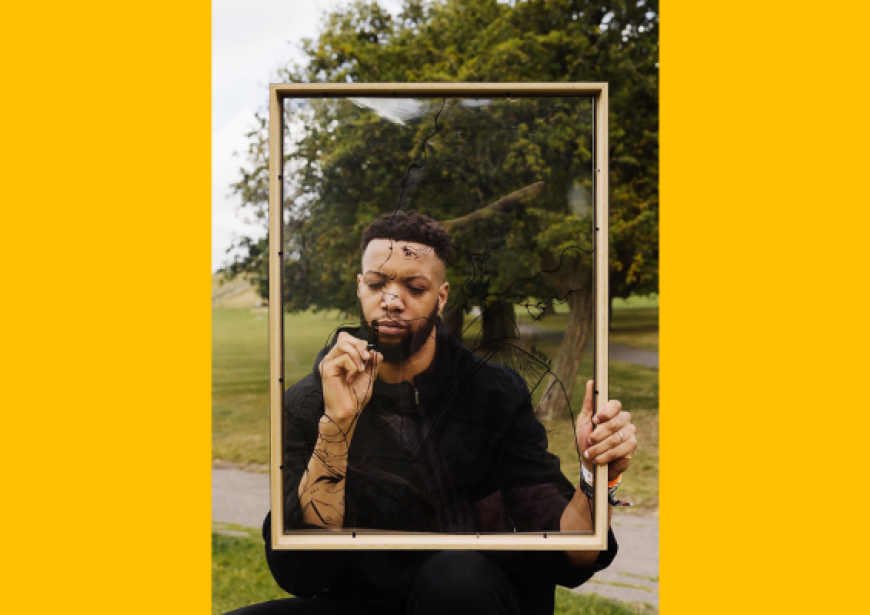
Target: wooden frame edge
{"x":602,"y":252}
{"x":339,"y":541}
{"x":556,"y":541}
{"x":312,"y":90}
{"x":276,"y":310}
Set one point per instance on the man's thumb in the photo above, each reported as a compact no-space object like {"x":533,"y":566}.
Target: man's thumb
{"x":587,"y":410}
{"x":582,"y":433}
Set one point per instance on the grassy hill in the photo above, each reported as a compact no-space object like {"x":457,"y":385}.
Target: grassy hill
{"x":235,"y":294}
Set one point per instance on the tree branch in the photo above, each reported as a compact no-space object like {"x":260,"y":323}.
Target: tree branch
{"x":502,"y":206}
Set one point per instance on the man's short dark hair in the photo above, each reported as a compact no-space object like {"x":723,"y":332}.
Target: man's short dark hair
{"x":409,"y":226}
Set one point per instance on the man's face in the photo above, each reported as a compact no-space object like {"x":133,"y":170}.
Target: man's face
{"x":401,"y":287}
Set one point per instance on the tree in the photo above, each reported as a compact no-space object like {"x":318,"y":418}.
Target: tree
{"x":472,"y":40}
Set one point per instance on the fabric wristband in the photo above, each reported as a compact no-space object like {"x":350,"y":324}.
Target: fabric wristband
{"x":588,"y":477}
{"x":586,"y":486}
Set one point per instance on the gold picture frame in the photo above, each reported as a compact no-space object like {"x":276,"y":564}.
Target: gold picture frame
{"x":371,"y":539}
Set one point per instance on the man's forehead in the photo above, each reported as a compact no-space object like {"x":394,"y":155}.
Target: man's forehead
{"x":399,"y":251}
{"x":407,"y":257}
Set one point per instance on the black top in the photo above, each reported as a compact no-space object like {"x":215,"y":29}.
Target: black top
{"x":458,"y":451}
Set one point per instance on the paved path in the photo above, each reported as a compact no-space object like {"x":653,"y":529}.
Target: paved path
{"x":618,"y":352}
{"x":243,"y":498}
{"x":634,"y":574}
{"x":239,"y":497}
{"x":628,"y":354}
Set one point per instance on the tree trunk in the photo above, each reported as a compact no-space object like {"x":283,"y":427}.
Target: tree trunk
{"x":499,"y":323}
{"x":554,"y":404}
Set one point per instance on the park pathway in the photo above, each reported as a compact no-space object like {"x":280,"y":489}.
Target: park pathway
{"x":628,"y":354}
{"x":242,"y":498}
{"x":618,"y":352}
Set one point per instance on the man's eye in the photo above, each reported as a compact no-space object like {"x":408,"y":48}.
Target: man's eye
{"x":375,"y":285}
{"x":416,"y":291}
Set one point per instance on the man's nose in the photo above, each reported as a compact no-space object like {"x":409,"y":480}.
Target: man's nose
{"x":392,"y":302}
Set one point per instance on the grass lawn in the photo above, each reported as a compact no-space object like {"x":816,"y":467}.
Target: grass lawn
{"x":240,"y":386}
{"x":239,"y":573}
{"x":634,"y":323}
{"x":649,"y":301}
{"x":240,"y":376}
{"x":241,"y":577}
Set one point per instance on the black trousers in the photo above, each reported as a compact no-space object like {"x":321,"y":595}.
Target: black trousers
{"x":455,"y":582}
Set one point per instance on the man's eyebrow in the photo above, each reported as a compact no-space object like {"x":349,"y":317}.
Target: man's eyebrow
{"x":413,"y":276}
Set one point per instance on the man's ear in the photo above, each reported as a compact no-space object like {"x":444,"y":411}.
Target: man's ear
{"x":358,"y":284}
{"x":443,"y":292}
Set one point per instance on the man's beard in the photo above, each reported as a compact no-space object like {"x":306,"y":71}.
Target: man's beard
{"x":408,"y":344}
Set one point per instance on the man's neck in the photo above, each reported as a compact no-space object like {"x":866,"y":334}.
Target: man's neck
{"x":393,"y":373}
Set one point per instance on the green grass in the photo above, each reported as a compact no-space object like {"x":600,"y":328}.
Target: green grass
{"x":241,"y":577}
{"x":649,"y":301}
{"x":238,"y":293}
{"x":240,"y":420}
{"x":240,"y":386}
{"x":240,"y":376}
{"x":569,"y":603}
{"x":239,"y":573}
{"x":635,"y":323}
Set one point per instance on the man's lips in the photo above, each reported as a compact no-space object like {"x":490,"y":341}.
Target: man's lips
{"x":391,"y":327}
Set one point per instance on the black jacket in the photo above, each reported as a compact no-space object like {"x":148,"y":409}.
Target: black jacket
{"x":460,"y":450}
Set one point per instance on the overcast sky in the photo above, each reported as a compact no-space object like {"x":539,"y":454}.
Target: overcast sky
{"x":251,"y":40}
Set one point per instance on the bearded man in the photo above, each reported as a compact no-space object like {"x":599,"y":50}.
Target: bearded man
{"x":400,"y":427}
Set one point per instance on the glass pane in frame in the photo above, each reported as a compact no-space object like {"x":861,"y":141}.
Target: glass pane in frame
{"x":481,"y":442}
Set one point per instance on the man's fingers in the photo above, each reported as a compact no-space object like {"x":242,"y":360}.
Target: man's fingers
{"x":354,"y":348}
{"x":331,"y":367}
{"x":604,"y":430}
{"x":610,"y":410}
{"x":348,"y":366}
{"x":613,"y":447}
{"x":353,"y":351}
{"x":622,"y":451}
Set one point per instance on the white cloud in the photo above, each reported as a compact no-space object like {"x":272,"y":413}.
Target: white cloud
{"x":251,"y":40}
{"x":226,"y":219}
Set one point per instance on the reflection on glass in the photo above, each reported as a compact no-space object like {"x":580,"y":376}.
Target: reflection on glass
{"x":476,"y":287}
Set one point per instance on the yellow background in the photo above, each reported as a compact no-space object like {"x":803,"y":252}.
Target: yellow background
{"x":106,"y":314}
{"x":106,"y":311}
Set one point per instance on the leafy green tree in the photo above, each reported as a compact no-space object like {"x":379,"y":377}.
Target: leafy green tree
{"x":336,"y":190}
